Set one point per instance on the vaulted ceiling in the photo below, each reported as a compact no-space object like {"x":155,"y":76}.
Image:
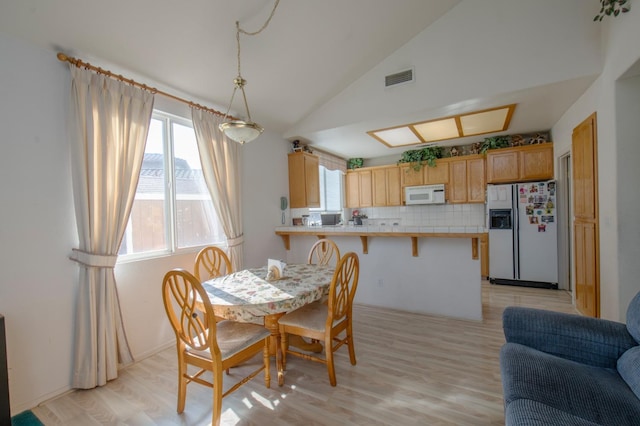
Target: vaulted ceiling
{"x":317,"y":72}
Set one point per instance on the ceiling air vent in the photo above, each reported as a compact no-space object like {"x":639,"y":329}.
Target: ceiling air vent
{"x":398,"y":78}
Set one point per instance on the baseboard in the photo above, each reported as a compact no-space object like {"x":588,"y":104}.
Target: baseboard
{"x":524,"y":283}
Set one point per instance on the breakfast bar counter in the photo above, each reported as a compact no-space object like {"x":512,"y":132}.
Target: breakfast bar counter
{"x":474,"y":233}
{"x":429,"y":270}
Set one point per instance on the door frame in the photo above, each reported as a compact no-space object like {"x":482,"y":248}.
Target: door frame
{"x":565,"y":221}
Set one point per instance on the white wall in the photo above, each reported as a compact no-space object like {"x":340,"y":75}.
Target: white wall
{"x":265,"y":180}
{"x":37,"y":225}
{"x":617,"y":138}
{"x":628,"y":177}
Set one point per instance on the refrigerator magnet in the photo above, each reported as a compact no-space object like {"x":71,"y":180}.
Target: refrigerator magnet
{"x":542,"y":227}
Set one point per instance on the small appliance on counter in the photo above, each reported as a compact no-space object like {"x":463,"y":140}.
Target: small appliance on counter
{"x":523,"y":243}
{"x":331,"y":219}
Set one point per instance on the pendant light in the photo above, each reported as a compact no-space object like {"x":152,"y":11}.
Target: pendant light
{"x":240,"y":130}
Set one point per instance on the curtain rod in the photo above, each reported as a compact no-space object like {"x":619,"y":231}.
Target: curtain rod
{"x":78,"y":63}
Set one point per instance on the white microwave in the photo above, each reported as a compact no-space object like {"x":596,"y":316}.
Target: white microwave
{"x":424,"y":194}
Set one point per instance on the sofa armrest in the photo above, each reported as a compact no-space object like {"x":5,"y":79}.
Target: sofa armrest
{"x":591,"y":341}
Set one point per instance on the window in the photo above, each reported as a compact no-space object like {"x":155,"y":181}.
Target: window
{"x":330,"y":193}
{"x":172,"y":209}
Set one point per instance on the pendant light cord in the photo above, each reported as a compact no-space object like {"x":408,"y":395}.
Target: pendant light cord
{"x":239,"y":81}
{"x":240,"y":30}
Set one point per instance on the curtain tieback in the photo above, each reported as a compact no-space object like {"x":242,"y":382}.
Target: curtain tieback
{"x":232,"y":242}
{"x":93,"y":259}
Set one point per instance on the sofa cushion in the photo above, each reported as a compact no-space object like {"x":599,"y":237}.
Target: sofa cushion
{"x":594,"y":394}
{"x":525,"y":412}
{"x":629,"y":369}
{"x":633,"y":317}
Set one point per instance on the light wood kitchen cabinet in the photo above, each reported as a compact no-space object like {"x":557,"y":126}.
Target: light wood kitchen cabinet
{"x":386,"y":186}
{"x":359,"y":188}
{"x":536,"y":162}
{"x":520,"y":164}
{"x":379,"y":189}
{"x":467,"y":182}
{"x":457,"y":182}
{"x":374,"y":186}
{"x":352,"y":184}
{"x":366,"y":188}
{"x":304,"y":180}
{"x":437,"y":174}
{"x":410,"y":176}
{"x":476,"y":182}
{"x":394,"y":189}
{"x":503,"y":167}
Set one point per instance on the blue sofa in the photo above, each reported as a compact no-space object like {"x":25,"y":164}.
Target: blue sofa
{"x":563,"y":369}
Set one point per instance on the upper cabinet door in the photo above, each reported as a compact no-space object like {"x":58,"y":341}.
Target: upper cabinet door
{"x":379,"y":188}
{"x":304,"y":180}
{"x":411,"y":177}
{"x":312,"y":180}
{"x":394,"y":189}
{"x":353,"y":189}
{"x":437,"y":174}
{"x":476,"y":184}
{"x":458,"y":181}
{"x":520,"y":164}
{"x":366,"y":186}
{"x":536,"y":162}
{"x":503,"y":167}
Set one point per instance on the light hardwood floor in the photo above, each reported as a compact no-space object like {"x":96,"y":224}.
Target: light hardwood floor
{"x":412,"y":370}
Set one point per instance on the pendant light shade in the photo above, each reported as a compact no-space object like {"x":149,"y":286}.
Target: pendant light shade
{"x":241,"y":131}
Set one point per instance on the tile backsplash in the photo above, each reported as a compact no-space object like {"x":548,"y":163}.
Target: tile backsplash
{"x":421,"y":215}
{"x":430,"y":215}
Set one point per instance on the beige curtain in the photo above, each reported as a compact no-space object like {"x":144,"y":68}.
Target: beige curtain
{"x":220,"y":158}
{"x":108,"y":132}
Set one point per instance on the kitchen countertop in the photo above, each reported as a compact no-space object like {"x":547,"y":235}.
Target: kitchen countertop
{"x":475,"y":233}
{"x":369,"y":229}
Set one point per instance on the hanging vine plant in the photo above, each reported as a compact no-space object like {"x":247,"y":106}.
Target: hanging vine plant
{"x":612,"y":7}
{"x":419,"y":157}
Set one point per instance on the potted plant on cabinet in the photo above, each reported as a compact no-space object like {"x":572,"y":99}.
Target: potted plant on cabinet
{"x":418,"y":157}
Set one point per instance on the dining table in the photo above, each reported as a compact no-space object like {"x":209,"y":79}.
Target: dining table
{"x":247,"y":296}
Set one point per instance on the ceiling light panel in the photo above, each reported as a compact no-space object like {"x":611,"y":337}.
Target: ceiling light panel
{"x":438,"y":130}
{"x":399,"y":136}
{"x":495,"y":120}
{"x":446,"y":128}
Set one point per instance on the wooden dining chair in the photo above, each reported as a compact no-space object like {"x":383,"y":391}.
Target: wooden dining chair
{"x":211,"y":262}
{"x":207,"y":345}
{"x":329,"y":323}
{"x":324,"y":252}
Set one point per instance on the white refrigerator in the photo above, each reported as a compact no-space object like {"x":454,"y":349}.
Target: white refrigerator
{"x":523,"y":237}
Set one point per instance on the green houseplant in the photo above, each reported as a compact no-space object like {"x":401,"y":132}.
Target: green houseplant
{"x":611,"y":7}
{"x":494,"y":142}
{"x":354,"y":163}
{"x":418,"y":157}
